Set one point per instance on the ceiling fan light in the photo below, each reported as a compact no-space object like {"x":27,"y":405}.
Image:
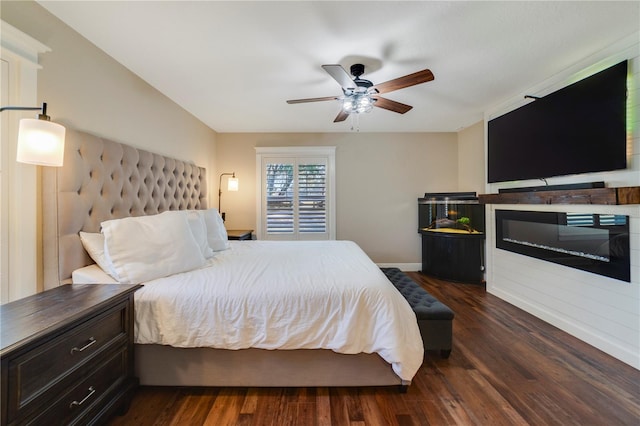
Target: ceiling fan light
{"x":365,"y":101}
{"x":348,"y":105}
{"x":358,"y":103}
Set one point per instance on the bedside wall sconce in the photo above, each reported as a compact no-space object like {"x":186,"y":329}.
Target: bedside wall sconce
{"x":232,"y":185}
{"x":40,"y":141}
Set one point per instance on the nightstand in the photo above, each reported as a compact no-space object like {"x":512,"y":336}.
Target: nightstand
{"x":67,"y":355}
{"x":240,"y":234}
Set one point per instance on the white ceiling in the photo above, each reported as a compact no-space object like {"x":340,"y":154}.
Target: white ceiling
{"x":233,"y":64}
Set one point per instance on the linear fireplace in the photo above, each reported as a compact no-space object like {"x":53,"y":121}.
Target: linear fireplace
{"x":597,"y":243}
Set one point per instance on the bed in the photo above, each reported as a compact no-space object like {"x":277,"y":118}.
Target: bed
{"x":102,"y":180}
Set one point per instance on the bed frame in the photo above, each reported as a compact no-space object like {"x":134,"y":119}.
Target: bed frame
{"x":103,"y":180}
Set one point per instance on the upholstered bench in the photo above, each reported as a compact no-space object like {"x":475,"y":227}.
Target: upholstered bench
{"x":435,"y":319}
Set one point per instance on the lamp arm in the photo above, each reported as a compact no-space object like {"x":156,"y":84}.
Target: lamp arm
{"x":42,"y":116}
{"x":16,"y":108}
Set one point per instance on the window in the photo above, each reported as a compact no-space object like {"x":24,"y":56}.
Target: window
{"x":296,"y":193}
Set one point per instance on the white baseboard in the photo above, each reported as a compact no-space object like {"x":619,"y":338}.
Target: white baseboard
{"x":402,"y":266}
{"x":569,"y":326}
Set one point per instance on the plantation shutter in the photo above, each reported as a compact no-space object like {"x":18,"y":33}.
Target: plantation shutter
{"x":296,"y":201}
{"x":279,"y":198}
{"x":312,"y":202}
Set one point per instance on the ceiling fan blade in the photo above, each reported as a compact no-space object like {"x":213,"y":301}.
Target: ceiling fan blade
{"x":341,"y":116}
{"x":340,"y":75}
{"x":406,"y":81}
{"x":391,"y":105}
{"x":301,"y":101}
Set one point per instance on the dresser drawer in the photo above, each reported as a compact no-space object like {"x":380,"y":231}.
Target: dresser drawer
{"x":40,"y":374}
{"x":79,"y":402}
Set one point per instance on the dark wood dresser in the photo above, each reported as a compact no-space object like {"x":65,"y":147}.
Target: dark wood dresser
{"x":67,"y":355}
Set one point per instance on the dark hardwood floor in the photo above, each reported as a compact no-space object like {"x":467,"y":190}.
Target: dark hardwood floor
{"x":506,"y":368}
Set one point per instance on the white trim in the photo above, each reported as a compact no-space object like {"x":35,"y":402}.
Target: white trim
{"x":327,"y":152}
{"x":20,"y":191}
{"x":23,"y":46}
{"x":592,"y":337}
{"x":404,"y":267}
{"x":295,"y":151}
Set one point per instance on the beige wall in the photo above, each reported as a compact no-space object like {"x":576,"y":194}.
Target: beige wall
{"x":379,"y":178}
{"x":87,"y":90}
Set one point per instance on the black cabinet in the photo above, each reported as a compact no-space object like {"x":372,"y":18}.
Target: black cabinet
{"x":453,"y":257}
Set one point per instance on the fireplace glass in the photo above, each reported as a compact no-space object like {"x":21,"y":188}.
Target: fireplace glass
{"x":597,"y":243}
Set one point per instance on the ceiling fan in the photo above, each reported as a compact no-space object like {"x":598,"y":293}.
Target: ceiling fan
{"x":360,"y":95}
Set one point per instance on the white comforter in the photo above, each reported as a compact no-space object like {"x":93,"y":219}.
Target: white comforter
{"x":283,"y":295}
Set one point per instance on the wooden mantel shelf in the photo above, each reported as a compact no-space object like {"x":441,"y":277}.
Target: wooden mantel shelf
{"x":611,"y":196}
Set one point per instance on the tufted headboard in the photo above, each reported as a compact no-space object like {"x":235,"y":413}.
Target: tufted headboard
{"x":102,"y":180}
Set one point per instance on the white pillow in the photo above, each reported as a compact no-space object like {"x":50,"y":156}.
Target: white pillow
{"x":216,"y":232}
{"x":91,"y":274}
{"x":149,"y":247}
{"x":199,"y":231}
{"x":93,"y":243}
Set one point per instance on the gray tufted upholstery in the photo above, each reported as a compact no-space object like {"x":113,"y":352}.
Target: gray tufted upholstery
{"x":103,"y":180}
{"x":435,"y":319}
{"x":424,"y":305}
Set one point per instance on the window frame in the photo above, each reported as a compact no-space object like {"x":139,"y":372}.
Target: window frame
{"x":293,"y":153}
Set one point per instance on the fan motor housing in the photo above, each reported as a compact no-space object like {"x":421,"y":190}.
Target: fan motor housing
{"x":357,"y":70}
{"x":361,"y":82}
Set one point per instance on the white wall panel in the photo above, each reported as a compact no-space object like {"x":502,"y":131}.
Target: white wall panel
{"x":602,"y":311}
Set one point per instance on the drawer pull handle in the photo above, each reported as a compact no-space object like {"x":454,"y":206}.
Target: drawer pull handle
{"x":92,"y":340}
{"x":76,"y":403}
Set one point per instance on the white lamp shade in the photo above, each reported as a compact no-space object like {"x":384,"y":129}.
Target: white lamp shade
{"x":40,"y":142}
{"x":233,"y":184}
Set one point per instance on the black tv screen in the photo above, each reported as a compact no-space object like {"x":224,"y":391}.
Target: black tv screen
{"x":580,"y":128}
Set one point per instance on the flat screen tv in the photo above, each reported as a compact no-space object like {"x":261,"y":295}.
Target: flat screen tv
{"x":580,"y":128}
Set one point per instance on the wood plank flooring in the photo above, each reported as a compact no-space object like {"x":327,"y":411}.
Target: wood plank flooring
{"x":506,"y":368}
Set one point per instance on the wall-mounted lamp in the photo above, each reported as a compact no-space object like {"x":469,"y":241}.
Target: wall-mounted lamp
{"x":40,"y":141}
{"x":232,"y":185}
